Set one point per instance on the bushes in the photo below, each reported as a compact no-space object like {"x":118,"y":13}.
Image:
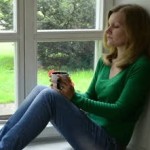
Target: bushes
{"x":66,"y":55}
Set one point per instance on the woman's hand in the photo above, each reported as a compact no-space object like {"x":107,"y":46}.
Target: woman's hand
{"x":65,"y":87}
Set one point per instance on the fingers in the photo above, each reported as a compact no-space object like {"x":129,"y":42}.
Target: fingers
{"x":64,"y":86}
{"x":67,"y":90}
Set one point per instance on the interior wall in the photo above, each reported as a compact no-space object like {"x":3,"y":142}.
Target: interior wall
{"x":144,"y":3}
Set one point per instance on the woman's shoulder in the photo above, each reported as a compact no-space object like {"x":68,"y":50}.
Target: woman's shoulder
{"x":143,"y":60}
{"x":101,"y":62}
{"x":140,"y":69}
{"x":100,"y":66}
{"x":142,"y":63}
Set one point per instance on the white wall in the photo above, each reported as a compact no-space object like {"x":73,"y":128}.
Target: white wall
{"x":144,"y":3}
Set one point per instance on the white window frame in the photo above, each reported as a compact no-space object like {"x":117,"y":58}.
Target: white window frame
{"x":17,"y":36}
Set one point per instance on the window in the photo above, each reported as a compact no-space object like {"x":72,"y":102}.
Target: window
{"x":62,"y":31}
{"x":7,"y":54}
{"x":6,"y":17}
{"x":75,"y":57}
{"x":66,"y":14}
{"x":11,"y":56}
{"x":7,"y":87}
{"x":38,"y":33}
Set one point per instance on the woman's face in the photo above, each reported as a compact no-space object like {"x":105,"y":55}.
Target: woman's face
{"x":115,"y":33}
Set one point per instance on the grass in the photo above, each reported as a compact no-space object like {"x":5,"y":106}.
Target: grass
{"x":80,"y":78}
{"x":6,"y":73}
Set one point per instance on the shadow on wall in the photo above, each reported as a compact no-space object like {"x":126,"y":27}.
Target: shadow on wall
{"x":141,"y":136}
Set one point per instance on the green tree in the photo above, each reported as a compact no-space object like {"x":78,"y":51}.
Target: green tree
{"x":66,"y":14}
{"x":6,"y":14}
{"x":59,"y":14}
{"x":66,"y":55}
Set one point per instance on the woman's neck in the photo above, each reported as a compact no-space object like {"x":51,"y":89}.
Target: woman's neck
{"x":120,"y":52}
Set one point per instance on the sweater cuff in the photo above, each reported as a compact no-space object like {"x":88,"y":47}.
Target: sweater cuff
{"x":74,"y":98}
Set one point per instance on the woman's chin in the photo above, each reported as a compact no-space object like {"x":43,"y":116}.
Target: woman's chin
{"x":109,"y":44}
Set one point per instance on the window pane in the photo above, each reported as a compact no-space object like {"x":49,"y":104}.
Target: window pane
{"x":66,"y":14}
{"x":6,"y":15}
{"x":77,"y":58}
{"x":7,"y":96}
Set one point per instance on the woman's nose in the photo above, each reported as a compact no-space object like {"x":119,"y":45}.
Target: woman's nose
{"x":108,"y":30}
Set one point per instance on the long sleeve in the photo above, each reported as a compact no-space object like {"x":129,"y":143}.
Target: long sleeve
{"x":116,"y":103}
{"x":136,"y":86}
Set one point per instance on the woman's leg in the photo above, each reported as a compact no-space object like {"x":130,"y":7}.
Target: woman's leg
{"x":21,"y":110}
{"x":33,"y":121}
{"x":80,"y":132}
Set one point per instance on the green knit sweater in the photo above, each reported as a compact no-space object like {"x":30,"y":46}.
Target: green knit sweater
{"x":115,"y":103}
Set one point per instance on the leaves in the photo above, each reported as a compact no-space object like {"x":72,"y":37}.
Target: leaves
{"x":66,"y":14}
{"x":6,"y":14}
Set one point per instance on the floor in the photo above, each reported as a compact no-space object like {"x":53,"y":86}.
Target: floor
{"x":49,"y":145}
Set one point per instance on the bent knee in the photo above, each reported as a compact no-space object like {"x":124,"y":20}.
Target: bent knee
{"x":39,"y":87}
{"x":49,"y":92}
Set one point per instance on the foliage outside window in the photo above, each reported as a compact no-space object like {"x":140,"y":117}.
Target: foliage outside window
{"x":6,"y":15}
{"x":73,"y":56}
{"x":66,"y":14}
{"x":7,"y":56}
{"x":57,"y":15}
{"x":68,"y":56}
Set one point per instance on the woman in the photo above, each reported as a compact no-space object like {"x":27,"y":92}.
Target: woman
{"x":104,"y":117}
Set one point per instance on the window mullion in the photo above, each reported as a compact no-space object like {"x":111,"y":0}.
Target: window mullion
{"x":19,"y":52}
{"x":30,"y":46}
{"x":67,"y":35}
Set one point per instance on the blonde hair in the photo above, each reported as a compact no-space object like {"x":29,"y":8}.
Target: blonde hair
{"x":138,"y":35}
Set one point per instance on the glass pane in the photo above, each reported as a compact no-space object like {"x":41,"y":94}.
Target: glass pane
{"x":66,"y":14}
{"x":77,"y":58}
{"x":7,"y":84}
{"x":6,"y":15}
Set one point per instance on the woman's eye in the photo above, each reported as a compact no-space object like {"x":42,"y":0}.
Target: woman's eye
{"x":116,"y":26}
{"x":113,"y":26}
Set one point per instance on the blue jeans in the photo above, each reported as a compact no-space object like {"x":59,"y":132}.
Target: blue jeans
{"x":43,"y":105}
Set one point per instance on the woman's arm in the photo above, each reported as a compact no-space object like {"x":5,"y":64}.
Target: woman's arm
{"x":131,"y":98}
